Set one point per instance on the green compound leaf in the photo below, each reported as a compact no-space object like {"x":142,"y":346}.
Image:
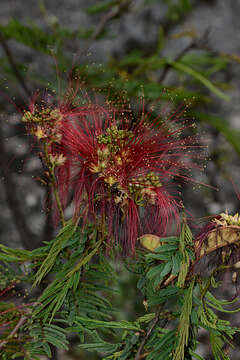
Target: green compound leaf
{"x":163,"y":295}
{"x":217,"y":346}
{"x":64,"y":235}
{"x":31,"y":36}
{"x":146,"y":318}
{"x":93,"y":324}
{"x":195,"y":74}
{"x":155,"y":271}
{"x":184,"y":241}
{"x":98,"y":344}
{"x":195,"y":356}
{"x":184,"y":324}
{"x":15,"y":255}
{"x":176,"y":264}
{"x":218,"y":304}
{"x":162,"y":348}
{"x":42,"y":336}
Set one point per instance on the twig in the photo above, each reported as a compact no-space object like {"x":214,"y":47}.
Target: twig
{"x":48,"y":226}
{"x":53,"y":183}
{"x":13,"y":65}
{"x":195,"y":44}
{"x":148,"y":334}
{"x":14,"y":331}
{"x":114,"y":11}
{"x":144,"y":355}
{"x":26,"y":235}
{"x":168,"y":66}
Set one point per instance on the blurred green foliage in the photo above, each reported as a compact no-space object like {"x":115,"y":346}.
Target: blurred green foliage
{"x":195,"y":70}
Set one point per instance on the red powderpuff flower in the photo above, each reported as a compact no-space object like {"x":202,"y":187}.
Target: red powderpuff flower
{"x":120,"y":172}
{"x":46,"y":121}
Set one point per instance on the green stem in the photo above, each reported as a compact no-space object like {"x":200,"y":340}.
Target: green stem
{"x":59,"y":205}
{"x":206,"y":288}
{"x":214,"y":272}
{"x":54,"y":183}
{"x":149,"y":333}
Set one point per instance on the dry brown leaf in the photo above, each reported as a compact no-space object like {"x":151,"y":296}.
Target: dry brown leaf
{"x":219,"y":238}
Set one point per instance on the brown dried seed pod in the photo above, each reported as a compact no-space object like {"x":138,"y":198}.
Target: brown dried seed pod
{"x":217,"y":239}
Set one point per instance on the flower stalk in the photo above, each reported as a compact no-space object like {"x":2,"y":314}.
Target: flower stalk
{"x":53,"y":182}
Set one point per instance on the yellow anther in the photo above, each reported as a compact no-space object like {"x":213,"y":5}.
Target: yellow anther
{"x":94,"y":168}
{"x":110,"y":180}
{"x":119,"y":160}
{"x":27,"y":116}
{"x":39,"y":133}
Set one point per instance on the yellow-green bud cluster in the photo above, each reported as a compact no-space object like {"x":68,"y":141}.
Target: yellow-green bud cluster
{"x":227,"y":219}
{"x":44,"y":123}
{"x":29,"y":117}
{"x":142,"y":188}
{"x":114,"y":138}
{"x":57,"y":160}
{"x":111,"y":154}
{"x":150,"y":179}
{"x":42,"y":116}
{"x":104,"y":153}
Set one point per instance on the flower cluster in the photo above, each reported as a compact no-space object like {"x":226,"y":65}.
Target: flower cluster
{"x":117,"y":170}
{"x":44,"y":123}
{"x":47,"y":121}
{"x":121,"y":172}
